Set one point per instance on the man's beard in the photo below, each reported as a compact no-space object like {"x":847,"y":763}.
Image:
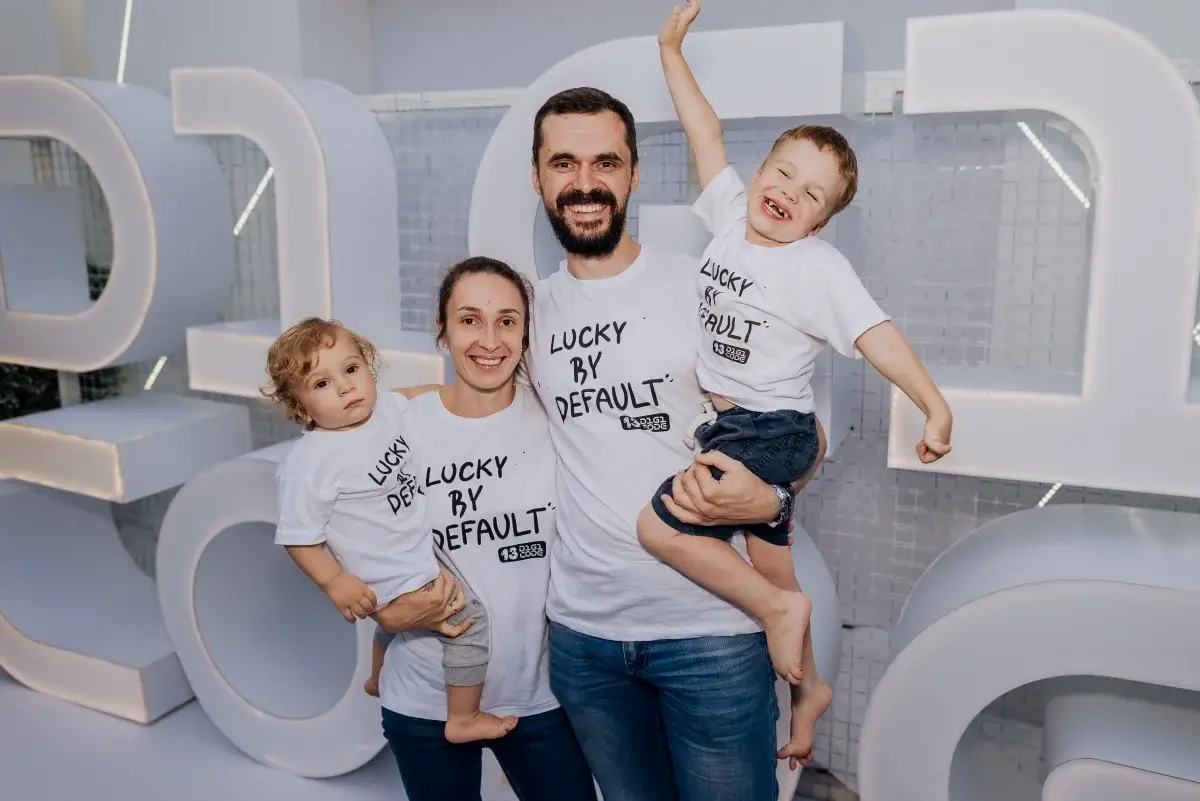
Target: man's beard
{"x":595,"y":243}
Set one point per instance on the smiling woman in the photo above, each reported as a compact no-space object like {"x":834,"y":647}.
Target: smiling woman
{"x":482,"y":320}
{"x":488,"y":475}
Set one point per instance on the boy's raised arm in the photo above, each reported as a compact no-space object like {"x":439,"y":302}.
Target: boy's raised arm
{"x":700,"y":122}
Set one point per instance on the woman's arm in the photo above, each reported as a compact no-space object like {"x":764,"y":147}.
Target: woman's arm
{"x":412,"y":392}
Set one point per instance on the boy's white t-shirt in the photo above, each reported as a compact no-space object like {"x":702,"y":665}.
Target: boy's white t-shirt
{"x":490,"y":502}
{"x":614,"y":362}
{"x":766,"y":312}
{"x":357,"y":492}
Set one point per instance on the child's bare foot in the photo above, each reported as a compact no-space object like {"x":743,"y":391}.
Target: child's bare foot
{"x":815,"y":698}
{"x":478,"y":726}
{"x":371,"y":686}
{"x":785,"y":635}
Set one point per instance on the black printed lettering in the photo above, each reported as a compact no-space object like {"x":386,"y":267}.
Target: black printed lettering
{"x":584,"y":367}
{"x":619,"y":398}
{"x":458,"y":507}
{"x":392,"y":458}
{"x":494,"y":528}
{"x":729,"y":326}
{"x":519,"y":553}
{"x":725,"y":278}
{"x":478,"y":469}
{"x":589,"y":336}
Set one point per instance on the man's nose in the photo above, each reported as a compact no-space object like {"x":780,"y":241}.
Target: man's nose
{"x":585,"y":179}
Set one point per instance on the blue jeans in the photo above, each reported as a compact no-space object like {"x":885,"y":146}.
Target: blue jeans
{"x":671,"y":720}
{"x":540,"y":757}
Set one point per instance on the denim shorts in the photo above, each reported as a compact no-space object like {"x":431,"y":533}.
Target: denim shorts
{"x":778,"y":446}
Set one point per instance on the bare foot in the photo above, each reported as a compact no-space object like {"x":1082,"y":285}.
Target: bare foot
{"x":371,"y":686}
{"x":815,"y":698}
{"x":785,"y":635}
{"x":478,"y":726}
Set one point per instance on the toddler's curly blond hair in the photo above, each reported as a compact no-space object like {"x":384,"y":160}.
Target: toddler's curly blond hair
{"x":293,"y":355}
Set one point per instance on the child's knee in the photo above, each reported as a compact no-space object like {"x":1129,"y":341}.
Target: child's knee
{"x":653,"y":533}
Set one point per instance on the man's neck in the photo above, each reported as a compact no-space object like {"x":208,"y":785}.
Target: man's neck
{"x":615,"y":263}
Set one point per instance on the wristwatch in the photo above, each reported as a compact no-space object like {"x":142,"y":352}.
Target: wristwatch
{"x":787,"y":503}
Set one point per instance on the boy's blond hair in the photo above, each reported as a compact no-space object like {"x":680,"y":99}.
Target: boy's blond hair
{"x":293,"y":355}
{"x":825,"y":138}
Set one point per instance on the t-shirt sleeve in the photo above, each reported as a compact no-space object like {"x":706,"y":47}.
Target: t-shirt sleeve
{"x":840,"y":310}
{"x":722,"y":204}
{"x":304,"y":507}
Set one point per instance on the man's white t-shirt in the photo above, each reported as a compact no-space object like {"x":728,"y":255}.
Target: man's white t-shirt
{"x":357,"y":492}
{"x":490,"y":498}
{"x":614,"y":362}
{"x":766,"y":312}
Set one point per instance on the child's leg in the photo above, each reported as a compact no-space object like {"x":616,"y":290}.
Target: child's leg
{"x":466,"y":723}
{"x":812,"y":697}
{"x":465,"y":660}
{"x":379,"y":646}
{"x":715,"y":565}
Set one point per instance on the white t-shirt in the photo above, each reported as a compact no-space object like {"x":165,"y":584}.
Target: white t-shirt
{"x":357,"y":492}
{"x":614,"y":361}
{"x":490,"y":500}
{"x":766,"y":312}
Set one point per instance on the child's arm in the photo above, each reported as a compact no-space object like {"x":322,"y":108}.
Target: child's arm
{"x":891,"y":354}
{"x":700,"y":122}
{"x":350,"y":594}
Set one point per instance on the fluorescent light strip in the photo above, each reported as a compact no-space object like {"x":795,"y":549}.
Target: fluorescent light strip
{"x":262,"y":187}
{"x":158,"y":366}
{"x":124,"y":53}
{"x":1046,"y":498}
{"x":1054,"y":165}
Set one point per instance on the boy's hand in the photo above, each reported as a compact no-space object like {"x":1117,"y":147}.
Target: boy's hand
{"x":936,"y":442}
{"x":678,"y":23}
{"x":351,"y":595}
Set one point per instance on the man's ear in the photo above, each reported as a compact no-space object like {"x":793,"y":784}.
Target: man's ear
{"x":537,"y":181}
{"x":634,"y":177}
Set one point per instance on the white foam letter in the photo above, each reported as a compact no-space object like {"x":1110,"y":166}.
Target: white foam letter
{"x":1130,"y":425}
{"x":339,"y":252}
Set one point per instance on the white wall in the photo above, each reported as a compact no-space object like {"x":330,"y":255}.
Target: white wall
{"x":465,"y":44}
{"x":327,"y":39}
{"x":335,"y":42}
{"x":27,"y":37}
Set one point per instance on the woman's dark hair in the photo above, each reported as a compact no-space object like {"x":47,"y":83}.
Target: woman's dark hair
{"x":481,"y":265}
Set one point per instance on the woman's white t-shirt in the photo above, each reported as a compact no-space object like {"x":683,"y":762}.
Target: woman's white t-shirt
{"x":490,"y":502}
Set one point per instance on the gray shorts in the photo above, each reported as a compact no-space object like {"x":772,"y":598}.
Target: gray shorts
{"x":465,"y":657}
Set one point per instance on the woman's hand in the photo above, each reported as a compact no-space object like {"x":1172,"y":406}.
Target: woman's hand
{"x":739,"y":498}
{"x":429,"y":608}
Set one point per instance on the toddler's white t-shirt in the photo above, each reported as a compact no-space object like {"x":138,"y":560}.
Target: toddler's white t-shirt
{"x":357,"y":492}
{"x":766,"y":312}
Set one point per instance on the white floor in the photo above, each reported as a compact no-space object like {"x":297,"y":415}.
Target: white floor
{"x":51,"y":750}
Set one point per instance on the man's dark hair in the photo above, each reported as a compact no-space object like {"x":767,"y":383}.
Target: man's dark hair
{"x":585,"y":100}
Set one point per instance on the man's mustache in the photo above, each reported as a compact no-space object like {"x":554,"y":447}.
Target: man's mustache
{"x":578,"y":198}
